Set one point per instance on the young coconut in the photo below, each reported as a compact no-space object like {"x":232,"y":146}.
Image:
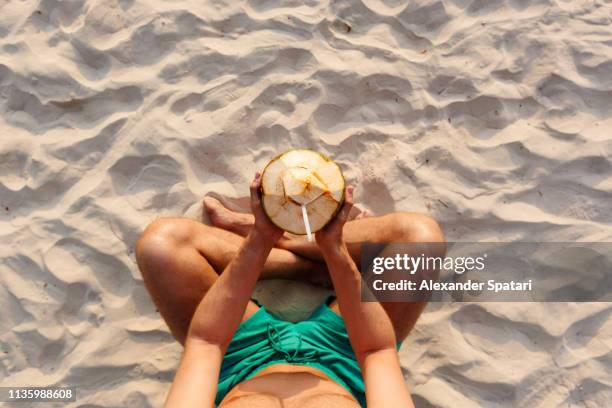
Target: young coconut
{"x":302,"y":179}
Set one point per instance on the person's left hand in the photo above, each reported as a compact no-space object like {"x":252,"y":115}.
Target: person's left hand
{"x":330,"y":237}
{"x":263,"y":225}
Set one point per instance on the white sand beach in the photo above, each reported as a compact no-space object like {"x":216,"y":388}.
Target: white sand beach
{"x":494,"y":117}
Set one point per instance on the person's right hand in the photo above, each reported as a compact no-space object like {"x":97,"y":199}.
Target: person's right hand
{"x":330,"y":237}
{"x":263,"y":225}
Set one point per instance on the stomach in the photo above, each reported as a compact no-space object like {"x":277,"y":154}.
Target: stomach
{"x":289,"y":386}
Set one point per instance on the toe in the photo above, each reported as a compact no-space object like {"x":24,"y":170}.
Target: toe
{"x":211,"y":204}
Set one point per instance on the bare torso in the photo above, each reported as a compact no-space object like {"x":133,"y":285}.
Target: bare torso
{"x":289,"y":386}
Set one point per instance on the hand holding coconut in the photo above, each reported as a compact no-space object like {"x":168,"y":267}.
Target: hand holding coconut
{"x":330,"y":237}
{"x":303,"y":192}
{"x":268,"y":230}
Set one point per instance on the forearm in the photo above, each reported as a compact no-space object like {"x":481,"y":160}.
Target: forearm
{"x":220,"y":312}
{"x":368,"y":326}
{"x":195,"y":383}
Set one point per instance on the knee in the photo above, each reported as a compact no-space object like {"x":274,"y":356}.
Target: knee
{"x":160,"y":241}
{"x":414,"y":227}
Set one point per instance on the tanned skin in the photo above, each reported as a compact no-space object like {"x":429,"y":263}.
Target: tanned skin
{"x":227,"y":302}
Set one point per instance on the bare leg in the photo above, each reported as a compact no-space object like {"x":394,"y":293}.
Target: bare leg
{"x":391,"y":228}
{"x":395,"y":227}
{"x":240,"y":223}
{"x":180,"y":259}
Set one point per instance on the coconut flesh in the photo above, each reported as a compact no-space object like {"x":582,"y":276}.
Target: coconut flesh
{"x":302,"y":177}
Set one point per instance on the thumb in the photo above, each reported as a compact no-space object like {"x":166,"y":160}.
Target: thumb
{"x":255,"y":188}
{"x":348,"y":203}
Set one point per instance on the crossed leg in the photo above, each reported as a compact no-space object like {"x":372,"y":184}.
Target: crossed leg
{"x":180,"y":259}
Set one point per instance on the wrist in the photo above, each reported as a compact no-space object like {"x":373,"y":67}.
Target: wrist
{"x":334,"y":250}
{"x":258,"y":238}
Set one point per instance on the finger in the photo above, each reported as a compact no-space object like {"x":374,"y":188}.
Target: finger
{"x":348,"y":203}
{"x":348,"y":196}
{"x":255,"y":188}
{"x":256,"y":183}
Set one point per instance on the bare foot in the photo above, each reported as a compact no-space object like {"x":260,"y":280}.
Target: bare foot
{"x":241,"y":223}
{"x":221,"y":217}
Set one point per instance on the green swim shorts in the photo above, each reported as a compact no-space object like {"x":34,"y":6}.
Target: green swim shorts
{"x":321,"y":341}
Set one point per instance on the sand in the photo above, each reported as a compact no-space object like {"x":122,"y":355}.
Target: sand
{"x":494,"y":117}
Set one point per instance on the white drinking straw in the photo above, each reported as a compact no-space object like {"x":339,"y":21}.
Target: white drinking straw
{"x":306,"y":223}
